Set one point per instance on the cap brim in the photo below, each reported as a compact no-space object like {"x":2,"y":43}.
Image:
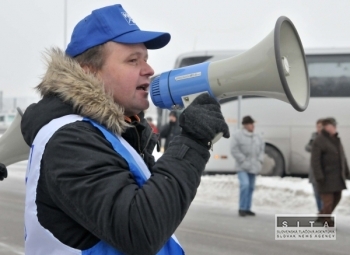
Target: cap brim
{"x":152,"y":40}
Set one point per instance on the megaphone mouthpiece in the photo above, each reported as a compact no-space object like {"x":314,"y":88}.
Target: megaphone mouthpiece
{"x":185,"y":81}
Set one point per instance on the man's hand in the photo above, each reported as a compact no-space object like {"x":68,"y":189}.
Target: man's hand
{"x":203,"y":119}
{"x":3,"y":172}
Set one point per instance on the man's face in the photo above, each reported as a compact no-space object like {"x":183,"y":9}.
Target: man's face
{"x":172,"y":118}
{"x":126,"y":75}
{"x":249,"y":127}
{"x":330,"y":129}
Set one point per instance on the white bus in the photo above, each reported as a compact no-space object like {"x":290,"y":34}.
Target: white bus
{"x":285,"y":131}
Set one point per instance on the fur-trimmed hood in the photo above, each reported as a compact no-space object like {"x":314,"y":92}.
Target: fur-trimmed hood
{"x":66,"y":79}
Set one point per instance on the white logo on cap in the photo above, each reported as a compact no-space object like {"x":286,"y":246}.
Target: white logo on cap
{"x":128,"y":18}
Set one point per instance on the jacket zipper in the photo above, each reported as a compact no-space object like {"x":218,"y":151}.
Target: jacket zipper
{"x":149,"y":138}
{"x":139,"y":143}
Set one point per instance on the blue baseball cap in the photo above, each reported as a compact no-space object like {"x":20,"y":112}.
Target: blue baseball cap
{"x":111,"y":23}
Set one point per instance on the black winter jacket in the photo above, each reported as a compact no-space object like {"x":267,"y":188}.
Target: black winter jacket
{"x":86,"y":192}
{"x":329,"y":163}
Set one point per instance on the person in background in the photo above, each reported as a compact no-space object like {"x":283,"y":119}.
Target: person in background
{"x":170,"y":130}
{"x":3,"y":172}
{"x":308,"y":148}
{"x":248,"y":149}
{"x":154,"y":127}
{"x":329,"y":166}
{"x":92,"y":185}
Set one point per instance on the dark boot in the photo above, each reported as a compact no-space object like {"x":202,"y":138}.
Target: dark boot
{"x":242,"y":213}
{"x":250,"y":213}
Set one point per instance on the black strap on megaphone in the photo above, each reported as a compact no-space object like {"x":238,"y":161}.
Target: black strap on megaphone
{"x":3,"y":172}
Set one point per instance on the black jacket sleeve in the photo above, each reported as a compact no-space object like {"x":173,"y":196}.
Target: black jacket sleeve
{"x":92,"y":184}
{"x":3,"y":172}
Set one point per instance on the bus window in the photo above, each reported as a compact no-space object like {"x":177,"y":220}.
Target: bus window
{"x":329,"y":75}
{"x":193,"y":60}
{"x":10,"y":118}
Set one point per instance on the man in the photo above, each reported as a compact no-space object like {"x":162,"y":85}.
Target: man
{"x":170,"y":130}
{"x":312,"y":180}
{"x":248,"y":149}
{"x":329,"y":166}
{"x":92,"y":186}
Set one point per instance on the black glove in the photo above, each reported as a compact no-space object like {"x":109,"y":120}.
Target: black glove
{"x":3,"y":172}
{"x":202,"y":120}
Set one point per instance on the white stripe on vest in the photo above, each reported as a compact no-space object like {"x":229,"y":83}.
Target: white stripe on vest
{"x":39,"y":241}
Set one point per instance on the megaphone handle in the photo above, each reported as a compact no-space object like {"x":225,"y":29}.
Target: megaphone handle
{"x":217,"y":137}
{"x":188,"y":99}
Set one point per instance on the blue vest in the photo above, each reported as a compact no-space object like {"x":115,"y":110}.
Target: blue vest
{"x":40,"y":241}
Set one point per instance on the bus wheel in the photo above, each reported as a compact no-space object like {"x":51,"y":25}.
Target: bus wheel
{"x":273,"y":164}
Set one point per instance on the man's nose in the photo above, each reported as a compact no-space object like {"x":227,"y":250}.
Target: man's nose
{"x":147,"y":70}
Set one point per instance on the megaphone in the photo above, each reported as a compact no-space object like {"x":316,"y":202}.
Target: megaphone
{"x":274,"y":68}
{"x":13,"y":148}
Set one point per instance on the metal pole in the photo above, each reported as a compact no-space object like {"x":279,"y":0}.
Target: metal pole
{"x":65,"y":9}
{"x":15,"y":103}
{"x":239,"y":105}
{"x":1,"y":102}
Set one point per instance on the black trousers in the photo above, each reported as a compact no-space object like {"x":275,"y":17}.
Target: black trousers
{"x":330,"y":201}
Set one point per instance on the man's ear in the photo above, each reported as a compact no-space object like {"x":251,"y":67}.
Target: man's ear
{"x":89,"y":69}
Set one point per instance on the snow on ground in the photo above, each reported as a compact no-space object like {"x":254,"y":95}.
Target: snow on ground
{"x":282,"y":195}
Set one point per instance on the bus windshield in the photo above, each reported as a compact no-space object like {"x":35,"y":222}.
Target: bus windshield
{"x":329,"y":75}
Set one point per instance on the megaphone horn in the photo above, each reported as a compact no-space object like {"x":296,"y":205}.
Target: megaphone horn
{"x":275,"y":68}
{"x":13,"y":148}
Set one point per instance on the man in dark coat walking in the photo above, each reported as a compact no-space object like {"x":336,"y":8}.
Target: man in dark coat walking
{"x":170,"y":130}
{"x":329,"y":165}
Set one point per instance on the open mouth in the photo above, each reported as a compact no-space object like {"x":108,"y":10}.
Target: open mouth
{"x":142,"y":87}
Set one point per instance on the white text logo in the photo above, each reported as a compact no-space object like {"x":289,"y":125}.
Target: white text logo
{"x":128,"y":18}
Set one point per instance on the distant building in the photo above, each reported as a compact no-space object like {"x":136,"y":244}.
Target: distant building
{"x":8,"y":109}
{"x":6,"y":119}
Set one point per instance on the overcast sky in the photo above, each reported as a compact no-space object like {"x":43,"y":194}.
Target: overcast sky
{"x":29,"y":27}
